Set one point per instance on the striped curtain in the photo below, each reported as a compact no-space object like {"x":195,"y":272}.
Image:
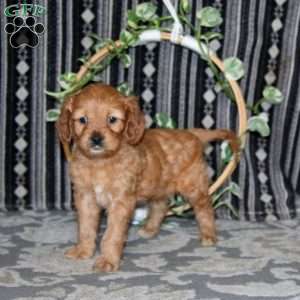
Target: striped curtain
{"x":262,"y":33}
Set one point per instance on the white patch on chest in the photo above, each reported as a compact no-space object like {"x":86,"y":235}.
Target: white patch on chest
{"x":103,"y":198}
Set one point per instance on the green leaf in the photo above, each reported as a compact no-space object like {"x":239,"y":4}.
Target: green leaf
{"x":228,"y":205}
{"x":226,"y":153}
{"x":233,"y":68}
{"x":96,"y":67}
{"x":124,"y":89}
{"x":164,"y":121}
{"x":58,"y":95}
{"x":99,"y":45}
{"x":68,"y":77}
{"x":127,"y":38}
{"x":272,"y":95}
{"x":208,"y":36}
{"x":171,"y":124}
{"x":218,"y":195}
{"x":66,"y":80}
{"x":156,"y":23}
{"x":177,"y":200}
{"x":259,"y":124}
{"x":209,"y":17}
{"x":235,"y":189}
{"x":232,"y":209}
{"x":109,"y":42}
{"x":161,"y":119}
{"x":83,"y":59}
{"x":185,"y":6}
{"x":231,"y":188}
{"x":64,"y":85}
{"x":132,"y":19}
{"x":126,"y":60}
{"x":53,"y":114}
{"x":145,"y":11}
{"x":217,"y":202}
{"x":95,"y":36}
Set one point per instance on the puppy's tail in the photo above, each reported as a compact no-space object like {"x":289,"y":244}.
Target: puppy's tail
{"x":207,"y":136}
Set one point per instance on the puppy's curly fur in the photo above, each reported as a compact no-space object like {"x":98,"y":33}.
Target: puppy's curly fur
{"x":116,"y":163}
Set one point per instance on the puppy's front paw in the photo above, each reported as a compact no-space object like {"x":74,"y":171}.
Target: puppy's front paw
{"x":79,"y":252}
{"x":103,"y":264}
{"x":208,"y":241}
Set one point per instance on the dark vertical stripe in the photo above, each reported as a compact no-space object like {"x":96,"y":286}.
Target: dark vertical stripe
{"x":51,"y":179}
{"x":10,"y":128}
{"x":3,"y":107}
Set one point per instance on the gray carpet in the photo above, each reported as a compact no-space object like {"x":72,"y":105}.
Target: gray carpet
{"x":251,"y":261}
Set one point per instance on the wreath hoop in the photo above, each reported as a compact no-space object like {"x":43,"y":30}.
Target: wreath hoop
{"x":190,"y":43}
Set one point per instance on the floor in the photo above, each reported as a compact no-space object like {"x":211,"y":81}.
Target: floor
{"x":251,"y":261}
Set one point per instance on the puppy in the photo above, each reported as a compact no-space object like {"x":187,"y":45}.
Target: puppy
{"x":116,"y":163}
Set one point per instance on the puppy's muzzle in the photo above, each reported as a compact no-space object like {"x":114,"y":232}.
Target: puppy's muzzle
{"x":96,"y":141}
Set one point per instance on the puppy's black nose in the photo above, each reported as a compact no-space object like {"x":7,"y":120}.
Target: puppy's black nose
{"x":96,"y":140}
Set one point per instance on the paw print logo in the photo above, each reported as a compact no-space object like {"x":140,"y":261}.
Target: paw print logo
{"x":24,"y":31}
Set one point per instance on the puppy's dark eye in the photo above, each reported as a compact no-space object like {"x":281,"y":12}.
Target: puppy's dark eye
{"x":112,"y":119}
{"x":83,"y":120}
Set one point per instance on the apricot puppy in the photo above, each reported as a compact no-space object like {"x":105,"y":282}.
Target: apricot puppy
{"x":116,"y":163}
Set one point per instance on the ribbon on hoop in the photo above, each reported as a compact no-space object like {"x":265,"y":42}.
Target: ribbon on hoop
{"x":177,"y":26}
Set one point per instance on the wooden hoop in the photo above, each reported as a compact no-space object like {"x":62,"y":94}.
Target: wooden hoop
{"x":191,"y":43}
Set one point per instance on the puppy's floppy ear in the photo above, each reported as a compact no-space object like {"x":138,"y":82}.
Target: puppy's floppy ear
{"x":63,"y":124}
{"x":135,"y":123}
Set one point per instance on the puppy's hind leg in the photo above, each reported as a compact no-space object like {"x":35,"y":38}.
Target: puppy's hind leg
{"x":204,"y":214}
{"x":157,"y":211}
{"x":194,"y":186}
